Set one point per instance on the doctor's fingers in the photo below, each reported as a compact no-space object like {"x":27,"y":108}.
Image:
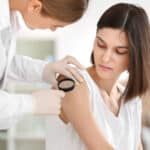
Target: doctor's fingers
{"x":75,"y":74}
{"x":54,"y":105}
{"x":59,"y":93}
{"x":74,"y":61}
{"x":67,"y":73}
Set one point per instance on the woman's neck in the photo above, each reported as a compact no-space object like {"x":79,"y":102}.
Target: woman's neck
{"x":104,"y":84}
{"x":109,"y":91}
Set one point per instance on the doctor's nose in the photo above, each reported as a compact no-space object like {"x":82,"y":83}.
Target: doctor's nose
{"x":53,"y":29}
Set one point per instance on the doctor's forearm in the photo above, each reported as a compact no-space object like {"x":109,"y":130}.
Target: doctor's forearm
{"x":24,"y":68}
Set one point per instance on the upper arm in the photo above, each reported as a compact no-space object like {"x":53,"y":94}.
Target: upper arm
{"x":76,"y":106}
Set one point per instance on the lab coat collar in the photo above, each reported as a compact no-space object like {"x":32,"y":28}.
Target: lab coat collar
{"x":5,"y":14}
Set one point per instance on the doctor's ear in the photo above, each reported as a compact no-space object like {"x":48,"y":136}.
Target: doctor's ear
{"x":34,"y":6}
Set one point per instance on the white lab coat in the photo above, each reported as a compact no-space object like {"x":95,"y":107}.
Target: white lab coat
{"x":13,"y":106}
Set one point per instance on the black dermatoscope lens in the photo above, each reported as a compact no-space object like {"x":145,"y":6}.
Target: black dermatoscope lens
{"x":66,"y":84}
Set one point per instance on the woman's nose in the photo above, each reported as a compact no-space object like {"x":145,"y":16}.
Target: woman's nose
{"x":107,"y":56}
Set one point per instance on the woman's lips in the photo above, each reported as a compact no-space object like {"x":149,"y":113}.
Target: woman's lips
{"x":105,"y":67}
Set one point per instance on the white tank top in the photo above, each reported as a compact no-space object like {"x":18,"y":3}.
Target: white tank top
{"x":122,"y":132}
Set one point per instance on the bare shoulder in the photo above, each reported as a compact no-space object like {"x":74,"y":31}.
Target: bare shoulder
{"x":75,"y":103}
{"x":79,"y":95}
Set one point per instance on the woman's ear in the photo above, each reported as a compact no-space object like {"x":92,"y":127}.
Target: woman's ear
{"x":34,"y":6}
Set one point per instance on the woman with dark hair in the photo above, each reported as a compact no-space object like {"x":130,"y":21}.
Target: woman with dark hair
{"x":102,"y":113}
{"x":37,"y":14}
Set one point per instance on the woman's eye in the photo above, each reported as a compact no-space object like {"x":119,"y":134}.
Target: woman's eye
{"x":121,"y":52}
{"x":101,"y":45}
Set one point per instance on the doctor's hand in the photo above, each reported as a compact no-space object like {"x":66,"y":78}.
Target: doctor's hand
{"x":47,"y":102}
{"x":63,"y":67}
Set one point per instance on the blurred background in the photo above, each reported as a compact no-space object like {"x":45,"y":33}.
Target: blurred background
{"x":76,"y":40}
